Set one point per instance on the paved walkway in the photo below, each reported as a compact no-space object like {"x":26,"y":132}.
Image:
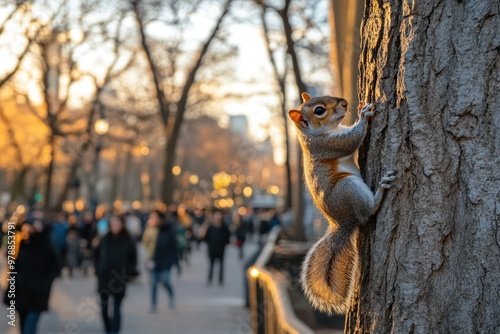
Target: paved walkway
{"x":200,"y":309}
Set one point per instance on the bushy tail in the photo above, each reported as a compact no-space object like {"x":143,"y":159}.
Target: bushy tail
{"x":329,"y":271}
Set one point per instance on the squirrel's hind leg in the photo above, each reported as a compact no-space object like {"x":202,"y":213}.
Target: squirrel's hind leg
{"x":385,"y":183}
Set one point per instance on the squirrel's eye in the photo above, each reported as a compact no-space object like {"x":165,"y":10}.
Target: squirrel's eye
{"x":319,"y":111}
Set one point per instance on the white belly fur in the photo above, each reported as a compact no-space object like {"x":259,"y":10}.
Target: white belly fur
{"x":349,"y":165}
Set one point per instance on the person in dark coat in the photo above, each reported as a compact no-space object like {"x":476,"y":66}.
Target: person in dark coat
{"x":115,"y":264}
{"x":36,"y":267}
{"x":87,"y":233}
{"x":59,"y":231}
{"x":217,"y":237}
{"x":164,"y":258}
{"x":240,"y":232}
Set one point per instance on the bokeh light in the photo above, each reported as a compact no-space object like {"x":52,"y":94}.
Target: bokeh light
{"x":101,"y":126}
{"x":193,"y":179}
{"x":247,"y":191}
{"x":176,"y":170}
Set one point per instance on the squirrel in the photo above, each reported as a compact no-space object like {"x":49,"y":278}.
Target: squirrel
{"x":332,"y":176}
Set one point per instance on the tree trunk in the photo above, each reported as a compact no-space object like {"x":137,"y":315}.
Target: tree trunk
{"x":298,"y":224}
{"x":19,"y":186}
{"x":288,"y":168}
{"x":168,"y":186}
{"x":430,"y":261}
{"x":50,"y":172}
{"x":281,"y":81}
{"x":182,"y":106}
{"x":67,"y":185}
{"x":344,"y":18}
{"x":115,"y":180}
{"x":126,"y":190}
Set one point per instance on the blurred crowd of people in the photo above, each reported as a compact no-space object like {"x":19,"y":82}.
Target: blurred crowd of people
{"x":47,"y":245}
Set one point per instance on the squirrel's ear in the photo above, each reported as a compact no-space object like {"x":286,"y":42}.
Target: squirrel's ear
{"x":305,"y":97}
{"x":296,"y":116}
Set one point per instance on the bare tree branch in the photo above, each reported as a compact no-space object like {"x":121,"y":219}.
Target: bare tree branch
{"x":18,"y":7}
{"x":23,"y":54}
{"x":181,"y":105}
{"x":33,"y":111}
{"x":164,"y":105}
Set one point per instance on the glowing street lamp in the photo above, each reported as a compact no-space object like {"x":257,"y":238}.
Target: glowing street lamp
{"x":101,"y":127}
{"x":254,"y":272}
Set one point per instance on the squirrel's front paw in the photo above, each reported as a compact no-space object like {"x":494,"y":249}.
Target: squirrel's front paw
{"x":368,"y":110}
{"x":385,"y":182}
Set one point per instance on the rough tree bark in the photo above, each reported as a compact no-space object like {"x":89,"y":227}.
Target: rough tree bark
{"x":430,"y":261}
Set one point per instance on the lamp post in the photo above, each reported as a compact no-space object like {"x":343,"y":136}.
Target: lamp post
{"x":101,"y":127}
{"x":145,"y":177}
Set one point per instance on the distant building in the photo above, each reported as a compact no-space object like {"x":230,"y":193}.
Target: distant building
{"x":239,"y":124}
{"x":266,"y":147}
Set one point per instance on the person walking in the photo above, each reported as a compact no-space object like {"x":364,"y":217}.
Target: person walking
{"x":164,"y":257}
{"x":133,"y":224}
{"x":240,"y":232}
{"x":149,"y":239}
{"x":115,"y":263}
{"x":74,"y":251}
{"x":263,"y":218}
{"x":59,"y":231}
{"x":36,"y":267}
{"x":87,"y":233}
{"x":199,"y":218}
{"x":217,"y":237}
{"x":184,"y":227}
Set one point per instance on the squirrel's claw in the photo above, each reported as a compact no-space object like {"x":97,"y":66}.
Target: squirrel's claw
{"x":385,"y":182}
{"x":368,"y":110}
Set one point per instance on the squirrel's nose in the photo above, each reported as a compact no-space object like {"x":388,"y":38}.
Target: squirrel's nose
{"x":344,"y":104}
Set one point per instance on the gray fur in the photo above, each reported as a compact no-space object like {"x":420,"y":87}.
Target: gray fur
{"x":347,"y":203}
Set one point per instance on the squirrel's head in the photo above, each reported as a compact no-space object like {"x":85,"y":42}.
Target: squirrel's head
{"x":319,"y":114}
